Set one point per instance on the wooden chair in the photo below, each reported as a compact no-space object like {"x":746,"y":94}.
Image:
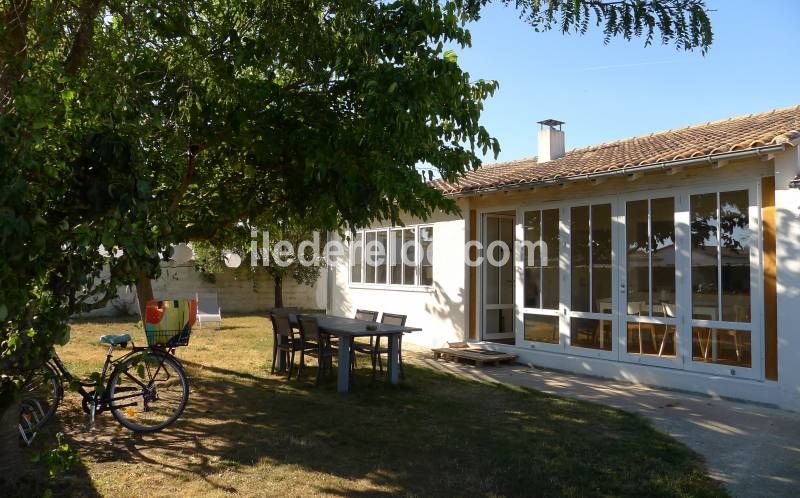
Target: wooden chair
{"x":316,"y":344}
{"x":377,"y":350}
{"x":284,"y":341}
{"x":669,"y":312}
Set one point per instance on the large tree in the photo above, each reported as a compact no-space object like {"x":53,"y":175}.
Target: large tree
{"x":133,"y":125}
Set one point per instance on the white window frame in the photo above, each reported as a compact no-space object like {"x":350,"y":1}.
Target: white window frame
{"x":683,"y":321}
{"x":520,"y":271}
{"x":756,"y":325}
{"x":622,"y":248}
{"x":390,"y":250}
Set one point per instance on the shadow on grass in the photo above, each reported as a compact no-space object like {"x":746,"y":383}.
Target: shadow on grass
{"x":433,"y":435}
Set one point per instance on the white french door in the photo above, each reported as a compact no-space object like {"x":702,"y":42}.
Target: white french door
{"x":591,"y":261}
{"x":649,"y":305}
{"x":668,"y":278}
{"x":498,"y":277}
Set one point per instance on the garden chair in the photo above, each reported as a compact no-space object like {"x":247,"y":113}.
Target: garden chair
{"x":208,"y":309}
{"x":363,"y":345}
{"x":284,"y":341}
{"x":314,"y":343}
{"x":389,"y":319}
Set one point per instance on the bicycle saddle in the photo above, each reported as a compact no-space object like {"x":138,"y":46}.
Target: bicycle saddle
{"x":115,"y":339}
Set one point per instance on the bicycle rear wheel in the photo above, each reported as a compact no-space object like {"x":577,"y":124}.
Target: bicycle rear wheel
{"x":148,"y":391}
{"x":41,"y":394}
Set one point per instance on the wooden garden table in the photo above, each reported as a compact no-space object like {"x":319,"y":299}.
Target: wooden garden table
{"x":347,"y":329}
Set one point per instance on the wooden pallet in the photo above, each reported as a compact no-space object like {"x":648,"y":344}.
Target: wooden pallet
{"x":476,"y":356}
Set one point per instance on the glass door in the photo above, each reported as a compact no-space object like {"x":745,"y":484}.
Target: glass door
{"x":648,"y":287}
{"x":592,"y":273}
{"x":725,"y":284}
{"x":498,"y":277}
{"x":541,"y":274}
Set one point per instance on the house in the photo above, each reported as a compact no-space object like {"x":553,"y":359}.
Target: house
{"x":673,"y":259}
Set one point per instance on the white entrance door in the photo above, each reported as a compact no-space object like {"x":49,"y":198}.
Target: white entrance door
{"x":498,"y":277}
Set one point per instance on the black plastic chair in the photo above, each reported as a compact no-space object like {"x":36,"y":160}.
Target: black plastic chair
{"x":360,"y":346}
{"x":389,"y":319}
{"x":314,"y":343}
{"x":284,"y":341}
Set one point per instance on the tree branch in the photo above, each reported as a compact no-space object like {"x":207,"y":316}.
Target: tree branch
{"x":82,"y":42}
{"x":13,"y":47}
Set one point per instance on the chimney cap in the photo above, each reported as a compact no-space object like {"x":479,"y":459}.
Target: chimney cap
{"x":551,"y":123}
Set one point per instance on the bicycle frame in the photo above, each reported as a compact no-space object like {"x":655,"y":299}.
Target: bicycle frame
{"x":97,"y":399}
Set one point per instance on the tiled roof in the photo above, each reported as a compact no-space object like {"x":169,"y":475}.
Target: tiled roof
{"x":776,"y":127}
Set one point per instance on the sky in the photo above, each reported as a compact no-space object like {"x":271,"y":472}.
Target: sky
{"x":624,"y":89}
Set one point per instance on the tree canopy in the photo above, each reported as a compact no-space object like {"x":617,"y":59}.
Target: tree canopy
{"x":135,"y":125}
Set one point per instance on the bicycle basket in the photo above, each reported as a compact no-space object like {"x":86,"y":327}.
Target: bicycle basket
{"x":169,"y":323}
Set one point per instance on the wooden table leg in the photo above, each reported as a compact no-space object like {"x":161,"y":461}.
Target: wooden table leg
{"x":394,"y":359}
{"x":345,"y":343}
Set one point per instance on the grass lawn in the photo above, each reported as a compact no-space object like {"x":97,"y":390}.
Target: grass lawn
{"x":246,"y":432}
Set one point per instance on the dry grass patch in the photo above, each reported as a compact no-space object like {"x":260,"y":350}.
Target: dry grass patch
{"x":246,"y":432}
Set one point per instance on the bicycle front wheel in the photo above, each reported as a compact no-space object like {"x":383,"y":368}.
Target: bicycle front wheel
{"x":148,"y":392}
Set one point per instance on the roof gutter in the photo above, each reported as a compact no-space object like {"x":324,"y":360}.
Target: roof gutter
{"x":626,"y":171}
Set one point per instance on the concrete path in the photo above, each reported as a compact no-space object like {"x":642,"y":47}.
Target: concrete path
{"x":754,"y":450}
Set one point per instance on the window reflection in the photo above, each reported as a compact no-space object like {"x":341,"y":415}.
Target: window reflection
{"x":591,"y":252}
{"x":590,"y":333}
{"x":735,"y":255}
{"x":541,"y":328}
{"x":720,"y":256}
{"x":426,"y":254}
{"x":650,"y":262}
{"x":358,"y":257}
{"x":601,"y":256}
{"x":579,"y":228}
{"x":541,"y":277}
{"x":726,"y":347}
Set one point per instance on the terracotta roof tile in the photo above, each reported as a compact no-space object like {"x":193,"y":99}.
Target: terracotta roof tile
{"x":775,"y":127}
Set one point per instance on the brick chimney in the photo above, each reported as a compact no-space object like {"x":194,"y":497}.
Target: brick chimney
{"x":551,"y":140}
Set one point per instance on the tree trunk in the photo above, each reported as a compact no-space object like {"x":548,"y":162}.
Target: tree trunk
{"x":144,"y":292}
{"x":11,"y":461}
{"x":278,"y":291}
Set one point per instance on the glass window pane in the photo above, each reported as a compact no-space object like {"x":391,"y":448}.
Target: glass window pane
{"x":370,"y":257}
{"x":726,"y":347}
{"x":541,"y":328}
{"x":532,"y":234}
{"x":637,"y":254}
{"x":426,"y":247}
{"x":395,"y":263}
{"x":357,"y":257}
{"x":703,"y":213}
{"x":381,"y":269}
{"x":579,"y":226}
{"x":499,"y":321}
{"x":601,"y":256}
{"x":651,"y":339}
{"x":507,"y":269}
{"x":410,"y":262}
{"x":662,"y":246}
{"x":590,"y":333}
{"x":551,"y":240}
{"x":735,"y":255}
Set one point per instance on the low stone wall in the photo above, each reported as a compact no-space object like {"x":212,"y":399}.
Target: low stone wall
{"x":238,"y":291}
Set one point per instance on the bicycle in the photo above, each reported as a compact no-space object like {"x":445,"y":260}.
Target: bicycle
{"x":146,"y":389}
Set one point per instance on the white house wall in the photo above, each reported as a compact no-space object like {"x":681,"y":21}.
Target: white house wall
{"x":439,"y":310}
{"x":443,"y":311}
{"x":787,"y":221}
